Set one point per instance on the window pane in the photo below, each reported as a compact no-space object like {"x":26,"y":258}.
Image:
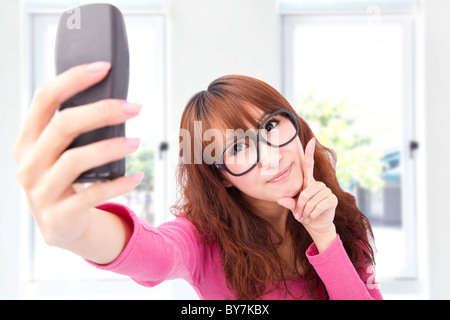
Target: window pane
{"x":349,"y":84}
{"x":145,"y":87}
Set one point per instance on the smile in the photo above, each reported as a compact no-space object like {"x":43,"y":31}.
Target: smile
{"x":281,"y":175}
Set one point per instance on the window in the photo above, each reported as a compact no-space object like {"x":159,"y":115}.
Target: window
{"x":56,"y":273}
{"x":350,"y":76}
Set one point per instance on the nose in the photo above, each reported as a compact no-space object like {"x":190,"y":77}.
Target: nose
{"x":269,"y":157}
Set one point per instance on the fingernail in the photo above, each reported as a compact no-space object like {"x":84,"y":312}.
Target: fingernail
{"x":99,"y":66}
{"x":131,"y":109}
{"x":137,"y":177}
{"x":296,"y":215}
{"x":132,"y":143}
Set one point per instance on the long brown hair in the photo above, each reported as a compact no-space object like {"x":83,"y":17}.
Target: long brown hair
{"x":246,"y":241}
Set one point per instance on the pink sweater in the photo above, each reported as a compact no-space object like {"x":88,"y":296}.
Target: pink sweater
{"x":174,"y":250}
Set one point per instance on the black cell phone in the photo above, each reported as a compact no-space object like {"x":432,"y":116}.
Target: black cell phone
{"x":89,"y":33}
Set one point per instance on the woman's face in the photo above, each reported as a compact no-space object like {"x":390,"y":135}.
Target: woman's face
{"x":278,"y":173}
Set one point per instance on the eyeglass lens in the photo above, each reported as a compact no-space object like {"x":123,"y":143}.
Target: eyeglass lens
{"x":276,"y":131}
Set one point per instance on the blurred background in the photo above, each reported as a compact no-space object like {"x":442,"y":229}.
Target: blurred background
{"x":370,"y":76}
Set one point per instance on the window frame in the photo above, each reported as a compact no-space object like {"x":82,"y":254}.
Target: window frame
{"x":408,"y":282}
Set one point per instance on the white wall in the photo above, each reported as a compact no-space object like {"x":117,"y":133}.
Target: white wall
{"x":10,"y":107}
{"x":212,"y":38}
{"x":437,"y":152}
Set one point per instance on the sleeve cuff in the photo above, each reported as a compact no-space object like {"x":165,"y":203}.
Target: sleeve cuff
{"x":316,"y":258}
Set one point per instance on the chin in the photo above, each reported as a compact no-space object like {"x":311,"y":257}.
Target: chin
{"x":288,"y":192}
{"x":292,"y":193}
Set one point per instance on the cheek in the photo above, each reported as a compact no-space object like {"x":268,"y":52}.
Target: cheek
{"x":247,"y":184}
{"x":297,"y":152}
{"x":293,"y":152}
{"x":242,"y":183}
{"x":298,"y":148}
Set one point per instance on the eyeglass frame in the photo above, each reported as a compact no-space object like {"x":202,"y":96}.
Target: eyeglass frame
{"x":256,"y":139}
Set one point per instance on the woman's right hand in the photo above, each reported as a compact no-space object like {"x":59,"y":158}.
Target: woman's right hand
{"x":47,"y":171}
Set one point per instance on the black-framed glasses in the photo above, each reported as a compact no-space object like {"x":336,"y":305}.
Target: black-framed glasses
{"x":242,"y":154}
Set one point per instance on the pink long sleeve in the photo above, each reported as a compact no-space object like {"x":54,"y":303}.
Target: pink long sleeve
{"x":175,"y":250}
{"x":153,"y":255}
{"x":339,"y":276}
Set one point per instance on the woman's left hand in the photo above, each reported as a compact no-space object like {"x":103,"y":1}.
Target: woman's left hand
{"x":316,"y":204}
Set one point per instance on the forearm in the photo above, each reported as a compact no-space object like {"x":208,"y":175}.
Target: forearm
{"x":104,"y":239}
{"x":323,"y":239}
{"x":152,"y":254}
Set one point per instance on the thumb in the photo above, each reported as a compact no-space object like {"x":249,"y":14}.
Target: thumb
{"x":288,"y":203}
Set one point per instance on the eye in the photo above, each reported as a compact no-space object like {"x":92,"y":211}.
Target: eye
{"x":271,"y":124}
{"x":238,"y":147}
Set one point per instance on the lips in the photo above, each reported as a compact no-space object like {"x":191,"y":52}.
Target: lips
{"x":281,"y":175}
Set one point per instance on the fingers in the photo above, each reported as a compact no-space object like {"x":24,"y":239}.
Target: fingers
{"x":305,"y":198}
{"x":330,"y":201}
{"x":314,"y":206}
{"x":71,"y":122}
{"x":49,"y":96}
{"x":288,"y":203}
{"x":311,"y":202}
{"x":104,"y":191}
{"x":61,"y":222}
{"x":74,"y":162}
{"x":308,"y":163}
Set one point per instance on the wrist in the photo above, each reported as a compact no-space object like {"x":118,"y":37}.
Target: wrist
{"x":324,"y":239}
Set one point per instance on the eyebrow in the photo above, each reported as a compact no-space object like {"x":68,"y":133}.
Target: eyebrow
{"x":229,"y":141}
{"x":260,"y":120}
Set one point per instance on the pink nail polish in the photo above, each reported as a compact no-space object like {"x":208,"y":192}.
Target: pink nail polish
{"x":132,"y":143}
{"x":99,"y":66}
{"x":131,"y":109}
{"x":137,"y":177}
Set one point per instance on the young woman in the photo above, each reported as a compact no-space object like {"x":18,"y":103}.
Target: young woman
{"x":261,"y":214}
